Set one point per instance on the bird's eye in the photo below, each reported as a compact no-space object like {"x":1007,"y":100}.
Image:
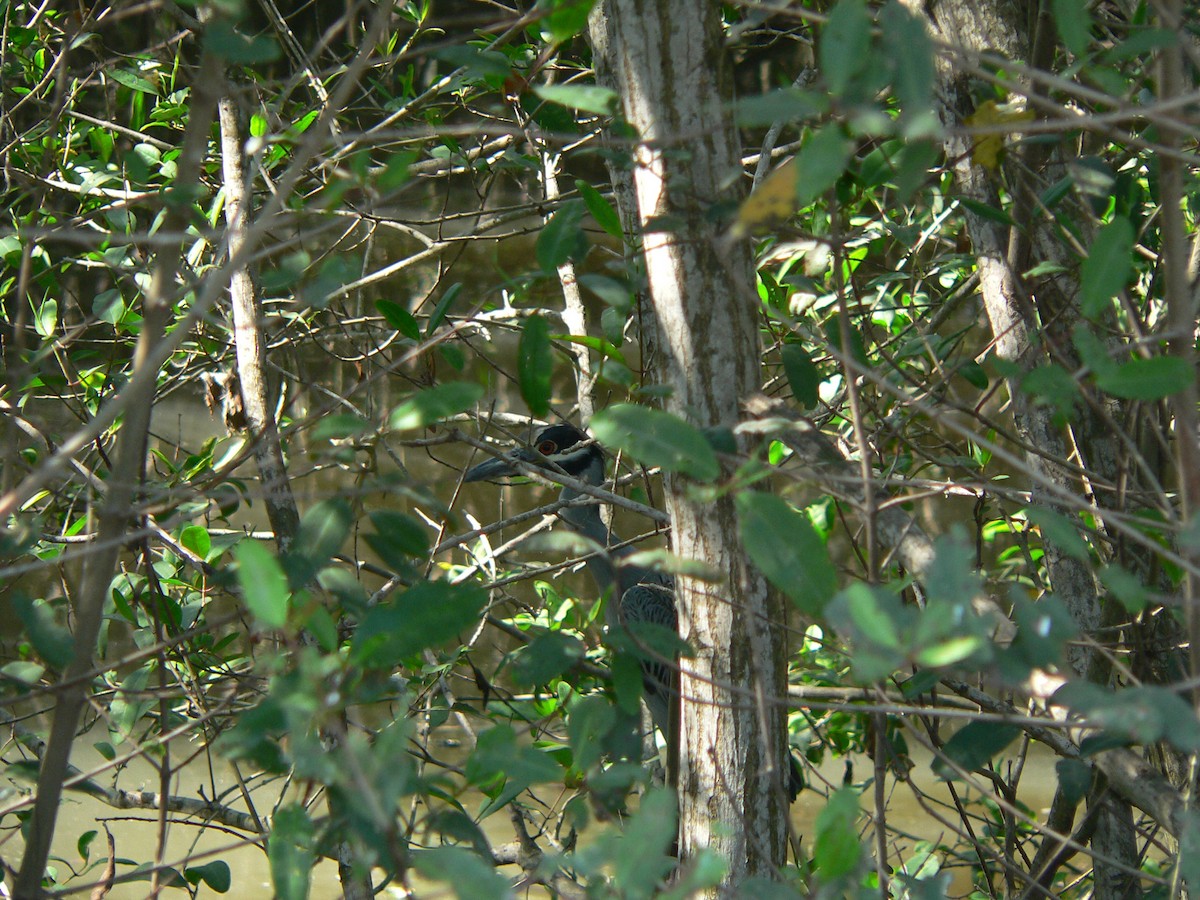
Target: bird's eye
{"x":547,"y":447}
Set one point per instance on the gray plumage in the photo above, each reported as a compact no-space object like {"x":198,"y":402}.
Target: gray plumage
{"x":637,"y":596}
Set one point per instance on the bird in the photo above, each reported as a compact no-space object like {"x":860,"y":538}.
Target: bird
{"x":637,"y":596}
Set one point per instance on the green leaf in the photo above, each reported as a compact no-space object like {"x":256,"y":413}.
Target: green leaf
{"x":588,"y":98}
{"x":264,"y":587}
{"x":223,"y":39}
{"x":289,"y":851}
{"x":563,"y":238}
{"x":52,"y":641}
{"x":602,"y":211}
{"x":656,"y":438}
{"x":802,"y":373}
{"x":1074,"y":778}
{"x":910,"y":59}
{"x":438,"y":402}
{"x":196,"y":539}
{"x":443,"y":307}
{"x":1147,"y":379}
{"x":466,"y":875}
{"x":397,"y":537}
{"x":546,"y":657}
{"x":835,"y":848}
{"x":984,"y":211}
{"x":429,"y":614}
{"x":844,"y":44}
{"x":589,"y":722}
{"x":490,"y":65}
{"x":780,"y":105}
{"x":498,"y":752}
{"x":399,"y":318}
{"x":535,"y":365}
{"x":973,"y":746}
{"x":616,"y":294}
{"x":1060,"y":531}
{"x":215,"y":874}
{"x":785,"y":546}
{"x":564,"y":19}
{"x":1092,"y":351}
{"x":1074,"y":24}
{"x":820,"y":163}
{"x":1107,"y":267}
{"x":46,"y":320}
{"x":323,"y":530}
{"x":132,"y":80}
{"x":644,"y":855}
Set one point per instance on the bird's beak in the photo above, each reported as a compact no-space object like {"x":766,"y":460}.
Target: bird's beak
{"x":500,"y":466}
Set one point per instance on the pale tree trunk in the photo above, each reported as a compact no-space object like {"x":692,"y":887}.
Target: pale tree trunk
{"x":249,"y":341}
{"x":666,"y":59}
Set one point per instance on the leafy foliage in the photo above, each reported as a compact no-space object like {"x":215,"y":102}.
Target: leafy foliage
{"x":428,"y":190}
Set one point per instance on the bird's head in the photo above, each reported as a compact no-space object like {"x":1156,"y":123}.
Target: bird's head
{"x":553,"y":447}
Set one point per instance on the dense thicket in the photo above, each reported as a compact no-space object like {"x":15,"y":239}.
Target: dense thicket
{"x":885,"y":314}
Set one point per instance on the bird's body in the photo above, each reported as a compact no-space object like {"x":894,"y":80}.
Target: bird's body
{"x":637,"y":597}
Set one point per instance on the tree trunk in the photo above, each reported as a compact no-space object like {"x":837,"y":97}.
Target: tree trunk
{"x":667,"y":61}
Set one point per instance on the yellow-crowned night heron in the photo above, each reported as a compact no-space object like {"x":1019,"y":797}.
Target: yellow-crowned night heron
{"x":636,"y":595}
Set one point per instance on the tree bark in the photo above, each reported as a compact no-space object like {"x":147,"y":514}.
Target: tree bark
{"x":667,"y":61}
{"x":248,"y":339}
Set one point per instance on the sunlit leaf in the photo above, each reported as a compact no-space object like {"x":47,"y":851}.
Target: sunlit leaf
{"x":993,"y":120}
{"x":563,"y":19}
{"x":795,"y":183}
{"x":438,"y":402}
{"x":428,"y":614}
{"x":264,"y":587}
{"x":656,"y":438}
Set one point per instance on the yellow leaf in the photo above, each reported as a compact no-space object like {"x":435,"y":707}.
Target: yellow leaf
{"x":986,"y":151}
{"x":772,"y":201}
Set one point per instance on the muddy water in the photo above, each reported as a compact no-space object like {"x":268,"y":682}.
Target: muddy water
{"x":135,"y":831}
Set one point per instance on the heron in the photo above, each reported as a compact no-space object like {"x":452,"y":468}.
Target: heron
{"x":637,"y":596}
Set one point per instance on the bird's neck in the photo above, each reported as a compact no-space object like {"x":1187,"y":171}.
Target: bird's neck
{"x":586,"y":521}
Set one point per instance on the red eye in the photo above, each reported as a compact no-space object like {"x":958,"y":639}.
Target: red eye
{"x":547,"y":447}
